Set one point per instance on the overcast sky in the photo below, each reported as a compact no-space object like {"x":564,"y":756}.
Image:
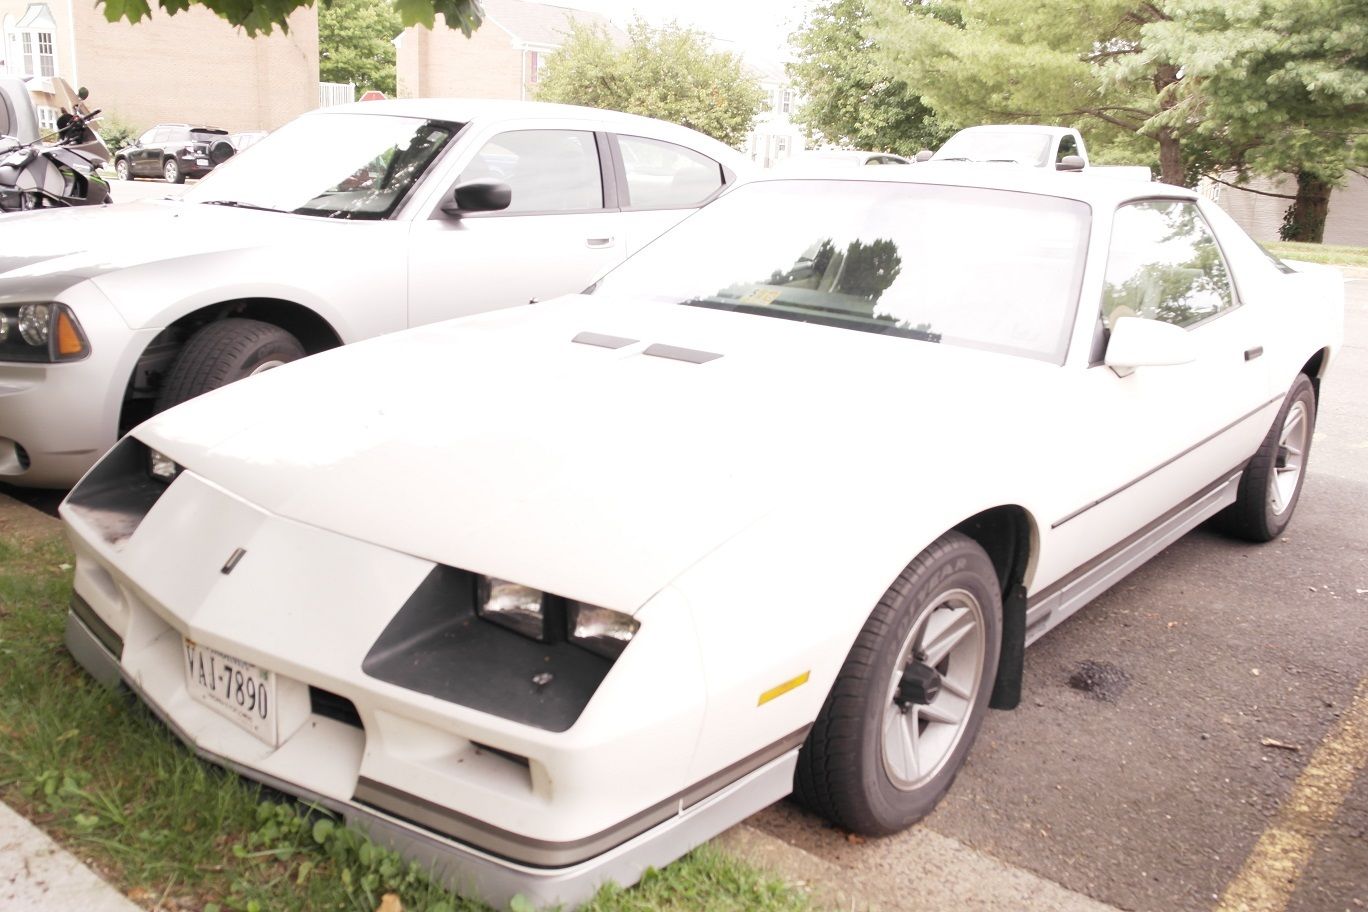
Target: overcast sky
{"x":757,"y":29}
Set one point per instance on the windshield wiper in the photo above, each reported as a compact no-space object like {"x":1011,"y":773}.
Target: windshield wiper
{"x":237,"y":204}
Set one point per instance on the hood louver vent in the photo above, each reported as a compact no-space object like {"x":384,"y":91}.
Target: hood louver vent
{"x":675,"y":353}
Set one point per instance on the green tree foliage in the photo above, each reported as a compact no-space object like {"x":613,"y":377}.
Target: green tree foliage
{"x":851,"y":98}
{"x":670,"y":73}
{"x":356,"y":43}
{"x":1275,"y":86}
{"x":261,"y":17}
{"x":1050,"y":61}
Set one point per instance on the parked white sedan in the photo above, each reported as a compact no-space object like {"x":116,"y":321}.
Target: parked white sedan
{"x":344,"y":224}
{"x":548,"y":595}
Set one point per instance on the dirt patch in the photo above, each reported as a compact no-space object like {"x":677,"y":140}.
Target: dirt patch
{"x":21,"y":522}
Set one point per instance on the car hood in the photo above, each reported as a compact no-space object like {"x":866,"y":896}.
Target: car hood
{"x":499,"y":445}
{"x":65,"y":246}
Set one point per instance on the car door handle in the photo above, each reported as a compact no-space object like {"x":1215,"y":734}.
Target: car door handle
{"x":598,"y":242}
{"x":1252,"y":353}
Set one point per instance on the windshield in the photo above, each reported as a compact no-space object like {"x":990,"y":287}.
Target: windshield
{"x":986,"y":145}
{"x":988,"y":269}
{"x":333,"y":165}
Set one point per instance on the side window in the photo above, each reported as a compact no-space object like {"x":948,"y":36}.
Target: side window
{"x":548,"y":170}
{"x":1067,"y":146}
{"x":147,"y":137}
{"x":163,"y":134}
{"x":661,"y":175}
{"x":1164,"y":265}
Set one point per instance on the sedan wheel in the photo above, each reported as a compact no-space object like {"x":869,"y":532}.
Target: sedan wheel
{"x":224,"y":352}
{"x":933,"y":688}
{"x":121,"y":168}
{"x":1272,"y":481}
{"x":912,"y":694}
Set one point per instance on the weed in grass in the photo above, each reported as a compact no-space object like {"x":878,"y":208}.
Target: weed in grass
{"x":106,"y":779}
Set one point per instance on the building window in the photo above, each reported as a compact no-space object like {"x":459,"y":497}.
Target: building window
{"x":47,"y":119}
{"x":536,"y":66}
{"x":786,"y":103}
{"x":781,"y":147}
{"x":34,"y":43}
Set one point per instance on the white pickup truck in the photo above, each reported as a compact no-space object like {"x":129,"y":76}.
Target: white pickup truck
{"x":1032,"y":145}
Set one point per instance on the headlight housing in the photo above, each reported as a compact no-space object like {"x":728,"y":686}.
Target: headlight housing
{"x":548,"y":618}
{"x":161,"y":467}
{"x":41,"y":331}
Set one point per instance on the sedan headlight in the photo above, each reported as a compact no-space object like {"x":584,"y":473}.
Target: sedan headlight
{"x":515,"y":607}
{"x":549,"y":618}
{"x":161,"y":466}
{"x":46,"y":332}
{"x":600,"y":630}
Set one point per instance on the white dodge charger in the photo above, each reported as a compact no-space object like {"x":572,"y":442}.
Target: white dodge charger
{"x":550,"y":594}
{"x":344,"y":224}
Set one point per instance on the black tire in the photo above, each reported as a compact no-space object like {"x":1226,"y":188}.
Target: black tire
{"x":123,"y":169}
{"x":223,"y":352}
{"x":843,"y":773}
{"x":1258,"y":513}
{"x":171,"y":170}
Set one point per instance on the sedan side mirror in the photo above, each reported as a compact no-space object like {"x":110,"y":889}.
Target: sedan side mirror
{"x":1071,"y":163}
{"x":482,"y":195}
{"x":1137,"y":342}
{"x":925,"y":155}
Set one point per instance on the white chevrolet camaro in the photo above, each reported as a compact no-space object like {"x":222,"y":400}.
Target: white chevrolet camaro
{"x":344,"y":224}
{"x":548,"y":595}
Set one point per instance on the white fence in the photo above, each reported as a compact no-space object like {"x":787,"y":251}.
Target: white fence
{"x":335,"y":93}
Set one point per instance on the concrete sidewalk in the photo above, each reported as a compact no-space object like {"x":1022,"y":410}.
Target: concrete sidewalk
{"x":37,"y":875}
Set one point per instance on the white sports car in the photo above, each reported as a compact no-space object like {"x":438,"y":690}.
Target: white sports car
{"x":344,"y":224}
{"x":550,"y":594}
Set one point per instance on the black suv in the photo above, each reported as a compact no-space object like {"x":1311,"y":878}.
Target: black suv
{"x":173,"y":152}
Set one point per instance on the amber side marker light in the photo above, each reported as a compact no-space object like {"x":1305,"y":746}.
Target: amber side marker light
{"x":69,"y":341}
{"x":781,"y":689}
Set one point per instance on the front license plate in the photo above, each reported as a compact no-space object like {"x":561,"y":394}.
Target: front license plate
{"x":237,"y":689}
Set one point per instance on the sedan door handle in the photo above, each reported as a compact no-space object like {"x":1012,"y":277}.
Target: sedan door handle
{"x":1252,"y":353}
{"x":598,"y":242}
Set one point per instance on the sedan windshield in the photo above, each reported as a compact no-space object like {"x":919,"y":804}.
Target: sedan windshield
{"x":967,"y":266}
{"x":333,"y":165}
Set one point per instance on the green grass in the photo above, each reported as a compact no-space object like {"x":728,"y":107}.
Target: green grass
{"x":94,"y":770}
{"x":1320,"y":253}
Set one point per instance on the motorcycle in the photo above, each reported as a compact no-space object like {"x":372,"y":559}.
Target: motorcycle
{"x":44,"y":174}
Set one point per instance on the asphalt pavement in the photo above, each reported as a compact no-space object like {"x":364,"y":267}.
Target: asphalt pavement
{"x":1198,"y":778}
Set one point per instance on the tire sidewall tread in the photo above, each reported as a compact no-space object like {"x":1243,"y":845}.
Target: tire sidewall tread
{"x":1251,"y":517}
{"x":224,"y":352}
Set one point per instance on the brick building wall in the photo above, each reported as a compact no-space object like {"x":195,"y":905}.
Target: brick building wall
{"x":443,"y":63}
{"x":191,"y":67}
{"x":194,"y":67}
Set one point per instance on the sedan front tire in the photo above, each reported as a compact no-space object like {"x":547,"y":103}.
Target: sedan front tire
{"x":911,"y":696}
